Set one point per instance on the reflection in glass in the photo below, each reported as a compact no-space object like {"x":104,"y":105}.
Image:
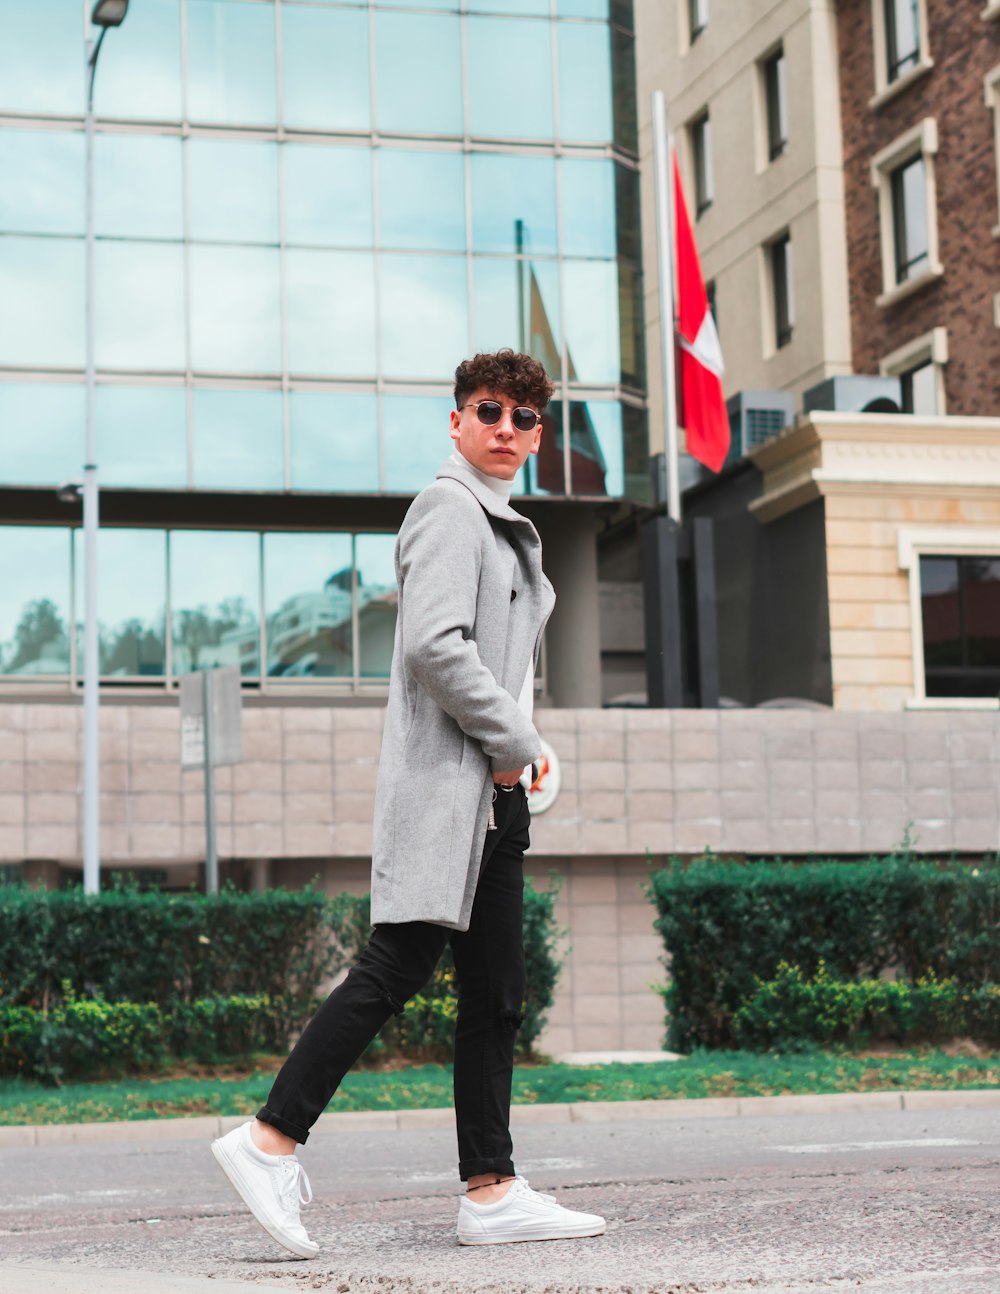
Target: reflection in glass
{"x":920,"y":390}
{"x":377,"y":602}
{"x":328,"y":196}
{"x":513,"y":204}
{"x":334,"y":441}
{"x":424,"y":314}
{"x":415,"y":429}
{"x":515,"y":100}
{"x":41,"y":57}
{"x":233,"y":191}
{"x":231,"y":65}
{"x":34,"y":600}
{"x":331,"y":312}
{"x":428,"y":103}
{"x":41,"y":432}
{"x":536,"y":8}
{"x":635,"y":440}
{"x":141,"y":435}
{"x":590,"y":309}
{"x":41,"y":321}
{"x":237,"y":440}
{"x":324,"y":55}
{"x":582,"y":9}
{"x":138,"y":190}
{"x":131,"y":600}
{"x":909,"y":219}
{"x":633,"y":338}
{"x":139,"y":305}
{"x":960,"y":599}
{"x":596,"y":452}
{"x":544,"y":472}
{"x":516,"y":304}
{"x":140,"y":75}
{"x":584,"y":81}
{"x":588,"y":207}
{"x":43,"y":177}
{"x":235,"y":314}
{"x":624,"y":91}
{"x":421,"y":198}
{"x":215,"y":599}
{"x":307,"y":602}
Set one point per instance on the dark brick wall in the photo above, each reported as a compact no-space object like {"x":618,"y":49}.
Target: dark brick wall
{"x":964,"y":49}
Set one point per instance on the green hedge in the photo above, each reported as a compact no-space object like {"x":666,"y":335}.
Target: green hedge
{"x":792,"y":1011}
{"x":728,"y":925}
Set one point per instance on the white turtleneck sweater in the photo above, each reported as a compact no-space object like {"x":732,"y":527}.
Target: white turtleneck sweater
{"x":503,"y":490}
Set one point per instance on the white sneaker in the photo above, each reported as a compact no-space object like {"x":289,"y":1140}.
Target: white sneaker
{"x":522,"y":1214}
{"x":271,"y":1186}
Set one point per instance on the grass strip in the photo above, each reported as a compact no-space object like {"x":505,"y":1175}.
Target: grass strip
{"x":719,"y":1073}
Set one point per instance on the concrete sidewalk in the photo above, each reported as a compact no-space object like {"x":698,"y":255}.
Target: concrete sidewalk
{"x":209,"y":1126}
{"x":55,"y":1278}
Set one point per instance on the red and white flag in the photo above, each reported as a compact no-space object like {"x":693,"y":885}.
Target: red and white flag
{"x":704,"y":407}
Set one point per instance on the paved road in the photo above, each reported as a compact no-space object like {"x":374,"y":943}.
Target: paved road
{"x":883,"y":1203}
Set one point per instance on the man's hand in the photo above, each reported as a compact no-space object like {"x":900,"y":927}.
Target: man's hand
{"x":510,"y":778}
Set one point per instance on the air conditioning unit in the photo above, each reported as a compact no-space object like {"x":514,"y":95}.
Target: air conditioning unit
{"x":756,"y":416}
{"x":854,"y":394}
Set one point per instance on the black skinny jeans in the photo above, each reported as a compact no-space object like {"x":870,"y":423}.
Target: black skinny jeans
{"x":396,"y":964}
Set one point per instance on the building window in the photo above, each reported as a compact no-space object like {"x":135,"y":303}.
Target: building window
{"x":776,"y":104}
{"x":960,"y":622}
{"x":697,"y":18}
{"x":899,"y":39}
{"x":919,"y":390}
{"x":701,"y":152}
{"x":780,"y":260}
{"x":991,"y":84}
{"x":920,"y":366}
{"x":903,"y":175}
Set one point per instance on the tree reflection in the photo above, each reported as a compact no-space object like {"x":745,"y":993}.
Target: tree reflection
{"x":40,"y":644}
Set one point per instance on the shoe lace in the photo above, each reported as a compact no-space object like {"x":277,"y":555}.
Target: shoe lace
{"x":549,"y":1199}
{"x":294,"y":1188}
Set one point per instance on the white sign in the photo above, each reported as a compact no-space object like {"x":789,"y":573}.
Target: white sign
{"x":547,"y":784}
{"x":222,"y":687}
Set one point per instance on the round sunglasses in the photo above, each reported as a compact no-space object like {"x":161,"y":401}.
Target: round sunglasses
{"x":489,"y":413}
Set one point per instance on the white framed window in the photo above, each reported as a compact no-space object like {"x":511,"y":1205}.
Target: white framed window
{"x":900,"y":46}
{"x":991,"y":86}
{"x":919,"y":365}
{"x":700,"y":136}
{"x":903,"y":175}
{"x":697,"y":19}
{"x":954,"y":574}
{"x":771,"y":106}
{"x":777,"y":281}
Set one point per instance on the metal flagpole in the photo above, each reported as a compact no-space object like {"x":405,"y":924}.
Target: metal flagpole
{"x":663,"y":179}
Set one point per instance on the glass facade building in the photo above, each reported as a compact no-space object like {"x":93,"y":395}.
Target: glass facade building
{"x":305,"y":214}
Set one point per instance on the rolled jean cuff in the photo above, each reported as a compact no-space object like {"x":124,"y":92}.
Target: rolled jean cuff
{"x":473,"y":1167}
{"x":293,"y":1130}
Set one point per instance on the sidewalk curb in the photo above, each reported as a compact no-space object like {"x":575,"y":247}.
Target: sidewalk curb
{"x":205,"y":1127}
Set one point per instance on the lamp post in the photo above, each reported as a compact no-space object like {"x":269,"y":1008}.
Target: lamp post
{"x":105,"y":14}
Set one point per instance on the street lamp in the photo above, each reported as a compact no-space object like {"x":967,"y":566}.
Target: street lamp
{"x":105,"y":14}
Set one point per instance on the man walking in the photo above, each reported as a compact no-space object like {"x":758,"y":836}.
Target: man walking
{"x":451,"y":825}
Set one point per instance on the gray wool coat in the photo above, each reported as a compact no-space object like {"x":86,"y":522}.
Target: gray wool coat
{"x":473,"y":602}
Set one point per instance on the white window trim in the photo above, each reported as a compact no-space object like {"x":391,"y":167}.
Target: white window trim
{"x":769,"y":313}
{"x":886,"y":90}
{"x":991,"y":89}
{"x":914,"y":542}
{"x":932,"y":347}
{"x":922,"y":139}
{"x":762,"y":160}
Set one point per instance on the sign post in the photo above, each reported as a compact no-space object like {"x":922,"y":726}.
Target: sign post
{"x":211,"y":735}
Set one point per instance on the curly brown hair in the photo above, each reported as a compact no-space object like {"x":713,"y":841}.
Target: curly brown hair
{"x":504,"y":372}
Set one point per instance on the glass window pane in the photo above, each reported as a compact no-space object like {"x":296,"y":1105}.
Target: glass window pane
{"x":902,"y":32}
{"x":544,"y":472}
{"x":633,"y":326}
{"x":923,"y":385}
{"x":42,"y":425}
{"x":231,"y":64}
{"x":41,"y":57}
{"x":233,"y":191}
{"x":520,"y":56}
{"x":41,"y":287}
{"x":981,"y":620}
{"x":377,"y":602}
{"x":597,"y":456}
{"x":590,"y":309}
{"x":235,"y":309}
{"x":584,"y":81}
{"x":34,"y":599}
{"x":424,"y":315}
{"x":417,"y":441}
{"x":324,"y":55}
{"x":215,"y":600}
{"x":421,"y":198}
{"x":517,"y":305}
{"x":910,"y":200}
{"x":141,"y":435}
{"x":582,"y":8}
{"x":328,"y":196}
{"x":334,"y":441}
{"x":536,"y":8}
{"x":138,"y":187}
{"x":131,"y":602}
{"x":307,"y":591}
{"x":139,"y":305}
{"x":331,"y":312}
{"x":941,"y":616}
{"x":237,"y":440}
{"x":513,"y":204}
{"x":42,"y":177}
{"x":588,"y":207}
{"x":140,"y":72}
{"x":430,"y":103}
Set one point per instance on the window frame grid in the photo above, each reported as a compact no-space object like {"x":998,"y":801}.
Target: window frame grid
{"x":774,"y":99}
{"x":929,"y":348}
{"x":921,"y":139}
{"x":702,"y":162}
{"x":887,"y":87}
